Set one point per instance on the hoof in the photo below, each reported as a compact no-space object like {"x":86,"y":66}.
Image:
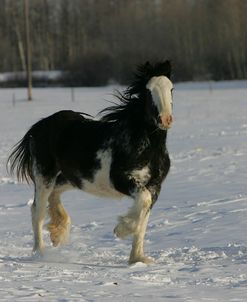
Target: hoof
{"x":121,"y":232}
{"x":125,"y":227}
{"x":59,"y":234}
{"x":143,"y":259}
{"x":38,"y":252}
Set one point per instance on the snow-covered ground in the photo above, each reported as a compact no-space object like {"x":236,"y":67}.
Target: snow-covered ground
{"x":197,"y":232}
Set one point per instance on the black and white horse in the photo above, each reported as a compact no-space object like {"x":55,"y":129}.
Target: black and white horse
{"x":122,"y":154}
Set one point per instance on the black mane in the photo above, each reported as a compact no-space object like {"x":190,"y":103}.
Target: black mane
{"x":144,"y":73}
{"x":130,"y":99}
{"x":127,"y":105}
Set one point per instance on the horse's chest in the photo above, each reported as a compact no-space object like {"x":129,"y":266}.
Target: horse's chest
{"x":100,"y":184}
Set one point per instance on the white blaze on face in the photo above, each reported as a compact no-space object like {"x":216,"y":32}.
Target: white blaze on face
{"x":161,"y":91}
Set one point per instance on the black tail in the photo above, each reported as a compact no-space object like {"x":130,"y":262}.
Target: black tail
{"x":20,"y":160}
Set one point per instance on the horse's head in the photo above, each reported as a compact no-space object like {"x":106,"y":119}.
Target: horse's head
{"x":161,"y":88}
{"x":161,"y":91}
{"x":150,"y":94}
{"x":153,"y":82}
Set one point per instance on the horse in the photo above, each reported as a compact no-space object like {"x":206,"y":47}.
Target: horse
{"x":121,"y":153}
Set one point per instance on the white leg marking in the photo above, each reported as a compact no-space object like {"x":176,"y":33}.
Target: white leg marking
{"x":59,"y":225}
{"x":137,"y":251}
{"x":130,"y":223}
{"x":38,"y":211}
{"x":135,"y":222}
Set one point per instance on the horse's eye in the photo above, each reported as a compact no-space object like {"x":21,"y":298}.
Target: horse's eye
{"x":172,"y":92}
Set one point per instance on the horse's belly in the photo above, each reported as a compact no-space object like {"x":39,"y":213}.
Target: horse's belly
{"x":102,"y":188}
{"x":101,"y":184}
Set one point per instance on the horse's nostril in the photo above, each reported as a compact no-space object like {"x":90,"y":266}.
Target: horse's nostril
{"x":170,"y":119}
{"x":159,"y":120}
{"x":165,"y":120}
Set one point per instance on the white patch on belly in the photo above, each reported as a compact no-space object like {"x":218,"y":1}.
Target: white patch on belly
{"x":101,"y":184}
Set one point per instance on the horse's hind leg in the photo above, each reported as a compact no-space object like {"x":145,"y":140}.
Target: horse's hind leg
{"x":38,"y":210}
{"x":59,"y":225}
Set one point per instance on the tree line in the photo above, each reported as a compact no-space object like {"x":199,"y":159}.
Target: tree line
{"x":95,"y":42}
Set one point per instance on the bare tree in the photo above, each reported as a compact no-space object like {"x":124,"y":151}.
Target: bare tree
{"x":101,"y":40}
{"x":28,"y":50}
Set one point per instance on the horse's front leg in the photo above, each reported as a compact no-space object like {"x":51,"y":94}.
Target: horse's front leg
{"x":143,"y":203}
{"x":135,"y":222}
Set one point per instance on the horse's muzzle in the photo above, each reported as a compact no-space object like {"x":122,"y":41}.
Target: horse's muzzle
{"x":165,"y":121}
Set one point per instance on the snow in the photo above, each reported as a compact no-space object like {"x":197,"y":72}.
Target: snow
{"x":38,"y":74}
{"x":197,"y":229}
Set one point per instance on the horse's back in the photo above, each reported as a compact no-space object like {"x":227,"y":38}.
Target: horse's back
{"x":45,"y":136}
{"x":67,"y":142}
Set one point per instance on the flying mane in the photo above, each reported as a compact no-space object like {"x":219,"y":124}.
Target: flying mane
{"x":130,"y":98}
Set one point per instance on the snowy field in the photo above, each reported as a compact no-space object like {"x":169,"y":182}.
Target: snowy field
{"x":197,"y":231}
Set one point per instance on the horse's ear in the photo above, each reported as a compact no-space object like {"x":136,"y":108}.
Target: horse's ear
{"x":166,"y":68}
{"x":147,"y":64}
{"x":147,"y":67}
{"x":144,"y":70}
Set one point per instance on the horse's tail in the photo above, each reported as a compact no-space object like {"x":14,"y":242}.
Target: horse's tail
{"x":20,"y":161}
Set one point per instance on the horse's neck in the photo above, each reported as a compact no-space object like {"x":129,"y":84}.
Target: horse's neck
{"x":158,"y":138}
{"x":128,"y":131}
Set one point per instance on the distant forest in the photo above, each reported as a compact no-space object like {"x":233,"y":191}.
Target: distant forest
{"x":99,"y":41}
